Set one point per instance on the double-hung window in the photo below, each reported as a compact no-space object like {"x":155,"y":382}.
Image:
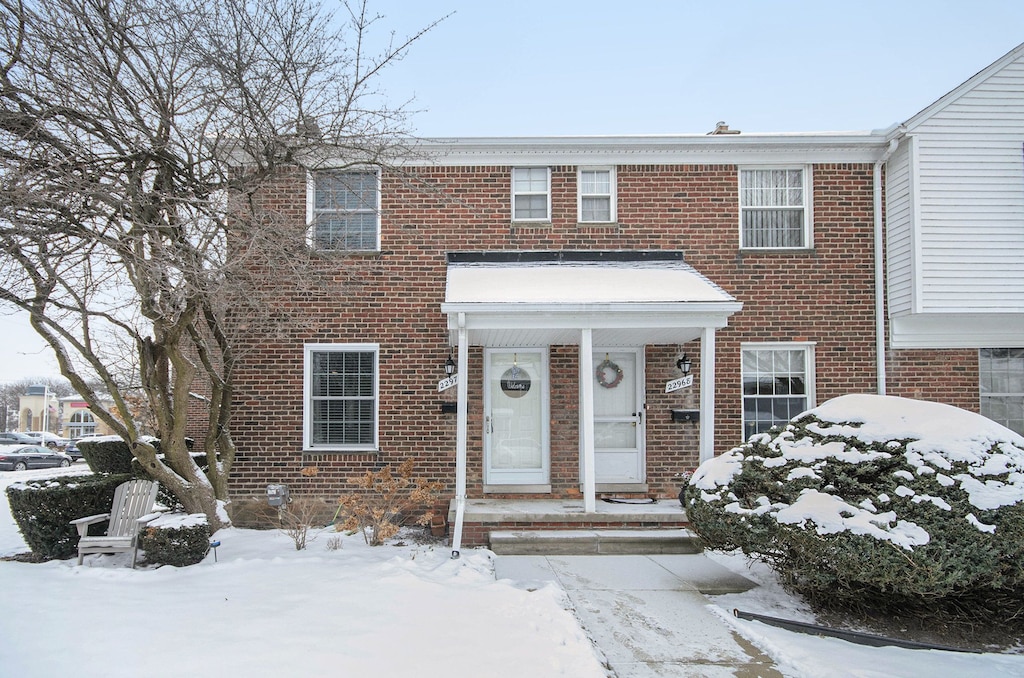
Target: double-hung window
{"x":1001,"y":382}
{"x":531,"y":194}
{"x":345,"y":210}
{"x":775,"y":208}
{"x":340,"y":394}
{"x":777,"y":384}
{"x":596,"y":195}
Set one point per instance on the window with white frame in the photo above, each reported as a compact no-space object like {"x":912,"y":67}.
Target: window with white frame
{"x":1001,"y":381}
{"x":774,"y":208}
{"x":777,"y":384}
{"x":345,"y":210}
{"x":596,"y":195}
{"x":531,"y":194}
{"x":81,"y":424}
{"x":340,"y":397}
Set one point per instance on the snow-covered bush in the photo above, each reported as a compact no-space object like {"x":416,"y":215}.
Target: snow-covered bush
{"x":177,"y":539}
{"x":876,"y":502}
{"x":43,"y":510}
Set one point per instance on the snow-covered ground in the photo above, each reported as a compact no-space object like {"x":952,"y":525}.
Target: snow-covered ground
{"x":343,"y":608}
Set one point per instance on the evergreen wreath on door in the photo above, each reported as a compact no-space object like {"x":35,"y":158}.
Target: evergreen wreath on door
{"x":605,"y":372}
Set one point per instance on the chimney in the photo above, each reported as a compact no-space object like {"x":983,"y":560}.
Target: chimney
{"x":722,"y":128}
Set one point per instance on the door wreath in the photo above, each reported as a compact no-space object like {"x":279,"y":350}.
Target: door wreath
{"x":604,"y":374}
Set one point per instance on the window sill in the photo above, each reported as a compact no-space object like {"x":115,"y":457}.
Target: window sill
{"x":325,"y":451}
{"x":750,"y":251}
{"x":610,"y":225}
{"x":532,"y":224}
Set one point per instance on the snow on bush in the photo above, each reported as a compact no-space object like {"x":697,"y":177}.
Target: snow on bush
{"x":876,"y":501}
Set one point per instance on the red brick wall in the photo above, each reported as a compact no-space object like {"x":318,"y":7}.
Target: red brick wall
{"x":823,"y":295}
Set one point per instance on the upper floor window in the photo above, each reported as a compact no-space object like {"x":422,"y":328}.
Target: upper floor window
{"x":776,"y":384}
{"x":531,"y":194}
{"x":345,"y":210}
{"x":1001,"y":377}
{"x":597,"y":195}
{"x":774,"y":208}
{"x":340,"y":408}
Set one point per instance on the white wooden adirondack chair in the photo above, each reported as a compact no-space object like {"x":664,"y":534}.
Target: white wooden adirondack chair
{"x":132,"y":508}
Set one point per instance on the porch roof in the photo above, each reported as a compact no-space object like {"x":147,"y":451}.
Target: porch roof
{"x":538,"y":298}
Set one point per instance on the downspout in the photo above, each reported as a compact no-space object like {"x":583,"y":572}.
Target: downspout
{"x":462,"y":424}
{"x":880,"y":268}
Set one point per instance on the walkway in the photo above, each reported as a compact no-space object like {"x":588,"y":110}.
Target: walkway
{"x":648,"y":614}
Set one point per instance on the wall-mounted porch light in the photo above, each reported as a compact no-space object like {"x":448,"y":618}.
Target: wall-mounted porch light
{"x":449,"y":365}
{"x":684,"y":364}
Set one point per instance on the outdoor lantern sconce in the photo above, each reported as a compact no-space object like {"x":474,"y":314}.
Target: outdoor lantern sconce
{"x":684,"y":364}
{"x":449,"y":366}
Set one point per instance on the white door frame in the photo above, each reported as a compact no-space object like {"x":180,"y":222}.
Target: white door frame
{"x":539,"y":477}
{"x":638,"y":417}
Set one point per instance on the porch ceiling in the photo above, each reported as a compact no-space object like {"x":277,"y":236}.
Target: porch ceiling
{"x":544,"y":298}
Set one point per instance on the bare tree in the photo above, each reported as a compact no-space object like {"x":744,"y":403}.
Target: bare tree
{"x":135,"y":138}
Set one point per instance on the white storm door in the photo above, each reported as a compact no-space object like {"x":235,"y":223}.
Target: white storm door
{"x":619,"y":416}
{"x":516,"y":419}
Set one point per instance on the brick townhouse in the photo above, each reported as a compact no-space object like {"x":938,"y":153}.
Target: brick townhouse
{"x":617,"y":309}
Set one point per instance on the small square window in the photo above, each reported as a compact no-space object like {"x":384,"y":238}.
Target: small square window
{"x":345,"y":211}
{"x":531,"y":194}
{"x":776,"y":385}
{"x":596,"y":195}
{"x":1001,"y":386}
{"x":774,"y":209}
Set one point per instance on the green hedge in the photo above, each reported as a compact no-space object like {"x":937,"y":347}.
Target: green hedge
{"x":176,"y":539}
{"x":43,"y":510}
{"x":112,"y":455}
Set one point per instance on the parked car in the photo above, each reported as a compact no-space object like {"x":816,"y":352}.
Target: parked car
{"x":22,"y":457}
{"x":15,"y":438}
{"x":72,"y":450}
{"x":48,"y":439}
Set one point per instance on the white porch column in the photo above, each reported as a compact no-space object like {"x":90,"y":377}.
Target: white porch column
{"x":462,"y":424}
{"x":586,"y":411}
{"x":707,"y":393}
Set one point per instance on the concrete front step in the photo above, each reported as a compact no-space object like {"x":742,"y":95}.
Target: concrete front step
{"x":592,"y":542}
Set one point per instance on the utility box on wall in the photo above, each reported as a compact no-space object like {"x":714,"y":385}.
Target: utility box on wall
{"x":277,"y":495}
{"x":686,"y":416}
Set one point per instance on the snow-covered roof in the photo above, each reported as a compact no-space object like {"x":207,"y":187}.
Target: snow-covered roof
{"x":539,"y":298}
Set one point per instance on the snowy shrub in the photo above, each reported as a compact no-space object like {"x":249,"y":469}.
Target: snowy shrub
{"x":108,"y":454}
{"x":44,"y":510}
{"x":176,"y":539}
{"x":385,"y":500}
{"x":878,"y":503}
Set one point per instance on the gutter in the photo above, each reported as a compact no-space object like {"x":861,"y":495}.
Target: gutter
{"x":880,"y":365}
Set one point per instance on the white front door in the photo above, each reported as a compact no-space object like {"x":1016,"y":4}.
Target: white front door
{"x":516,"y":420}
{"x":619,"y":416}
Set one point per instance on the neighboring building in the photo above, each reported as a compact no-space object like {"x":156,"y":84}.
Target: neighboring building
{"x":955,"y":233}
{"x":68,"y":416}
{"x":78,"y":420}
{"x":39,"y":410}
{"x":568,"y":278}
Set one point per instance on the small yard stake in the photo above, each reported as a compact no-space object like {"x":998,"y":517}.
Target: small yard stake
{"x":214,"y":545}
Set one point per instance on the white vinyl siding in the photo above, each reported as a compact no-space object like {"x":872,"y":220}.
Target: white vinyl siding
{"x":596,"y":195}
{"x":900,"y":233}
{"x":340,"y":397}
{"x":774,"y":208}
{"x":345,"y":210}
{"x":531,"y":194}
{"x":1001,"y":386}
{"x":970,"y":196}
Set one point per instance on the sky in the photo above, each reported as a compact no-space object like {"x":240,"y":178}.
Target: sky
{"x":566,"y":67}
